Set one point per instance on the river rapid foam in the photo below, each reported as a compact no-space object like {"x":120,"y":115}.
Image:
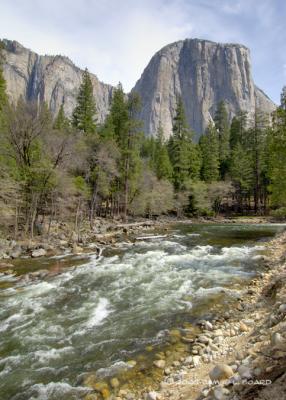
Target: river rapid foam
{"x":102,"y":313}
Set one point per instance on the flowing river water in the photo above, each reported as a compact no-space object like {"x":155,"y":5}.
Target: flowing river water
{"x":98,"y":313}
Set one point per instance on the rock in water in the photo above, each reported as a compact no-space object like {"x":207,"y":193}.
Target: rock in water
{"x":160,"y":363}
{"x":39,"y":253}
{"x":203,"y":73}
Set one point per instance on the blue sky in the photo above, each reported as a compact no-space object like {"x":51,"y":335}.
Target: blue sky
{"x":115,"y":39}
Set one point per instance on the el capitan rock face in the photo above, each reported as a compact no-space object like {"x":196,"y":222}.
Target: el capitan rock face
{"x":54,"y":79}
{"x":203,"y":73}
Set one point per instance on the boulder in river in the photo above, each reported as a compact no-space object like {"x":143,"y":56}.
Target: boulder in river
{"x":39,"y":253}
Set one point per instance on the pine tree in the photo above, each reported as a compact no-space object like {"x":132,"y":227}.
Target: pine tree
{"x":238,"y":129}
{"x":61,"y":121}
{"x":182,"y":150}
{"x":277,"y":155}
{"x":119,"y":115}
{"x":84,"y":112}
{"x":222,"y":126}
{"x":241,"y":173}
{"x":210,"y":154}
{"x":128,"y":136}
{"x":255,"y":143}
{"x":162,"y":163}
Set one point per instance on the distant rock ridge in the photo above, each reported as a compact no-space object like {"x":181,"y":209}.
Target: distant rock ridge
{"x":201,"y":71}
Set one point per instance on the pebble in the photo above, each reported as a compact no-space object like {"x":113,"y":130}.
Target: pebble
{"x":220,"y":393}
{"x":221,"y":371}
{"x":243,"y":327}
{"x":152,"y":396}
{"x":276,"y":339}
{"x":196,"y":360}
{"x":204,"y":339}
{"x":160,"y":363}
{"x":114,"y":382}
{"x":208,"y":325}
{"x":188,"y":360}
{"x":244,"y":372}
{"x":282,"y":308}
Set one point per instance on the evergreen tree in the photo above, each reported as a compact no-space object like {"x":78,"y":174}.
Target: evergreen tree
{"x":162,"y":163}
{"x":119,"y":115}
{"x":210,"y":154}
{"x":277,"y":155}
{"x":84,"y":112}
{"x":183,"y":153}
{"x":255,"y":143}
{"x":61,"y":121}
{"x":128,"y":136}
{"x":107,"y":130}
{"x":238,"y":129}
{"x":222,"y":126}
{"x":241,"y":174}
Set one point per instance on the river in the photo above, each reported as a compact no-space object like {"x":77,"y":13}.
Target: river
{"x":101,"y":312}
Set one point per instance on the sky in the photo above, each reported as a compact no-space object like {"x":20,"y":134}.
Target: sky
{"x":115,"y":39}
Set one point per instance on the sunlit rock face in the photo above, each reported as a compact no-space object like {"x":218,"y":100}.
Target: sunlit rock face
{"x":54,"y":79}
{"x":203,"y":73}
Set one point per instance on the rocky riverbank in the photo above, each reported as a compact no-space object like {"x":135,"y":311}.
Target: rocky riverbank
{"x":239,"y":355}
{"x":242,"y":354}
{"x":60,"y":238}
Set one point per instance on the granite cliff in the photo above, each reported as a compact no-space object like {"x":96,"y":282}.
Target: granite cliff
{"x":203,"y":73}
{"x":54,"y":79}
{"x":200,"y":71}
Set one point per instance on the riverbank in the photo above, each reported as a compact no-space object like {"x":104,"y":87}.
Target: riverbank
{"x":241,"y":355}
{"x":60,"y":238}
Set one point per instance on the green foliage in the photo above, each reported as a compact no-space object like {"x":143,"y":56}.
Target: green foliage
{"x":128,"y":137}
{"x":119,"y":116}
{"x":184,"y":154}
{"x":277,"y":154}
{"x":238,"y":129}
{"x":279,"y":213}
{"x":61,"y":121}
{"x":49,"y":169}
{"x":199,"y":203}
{"x":162,"y":164}
{"x":80,"y":186}
{"x":84,"y":112}
{"x":223,"y":131}
{"x":154,"y":197}
{"x":240,"y":169}
{"x":210,"y":154}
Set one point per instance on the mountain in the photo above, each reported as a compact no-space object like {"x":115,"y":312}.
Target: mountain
{"x":54,"y":79}
{"x":203,"y":73}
